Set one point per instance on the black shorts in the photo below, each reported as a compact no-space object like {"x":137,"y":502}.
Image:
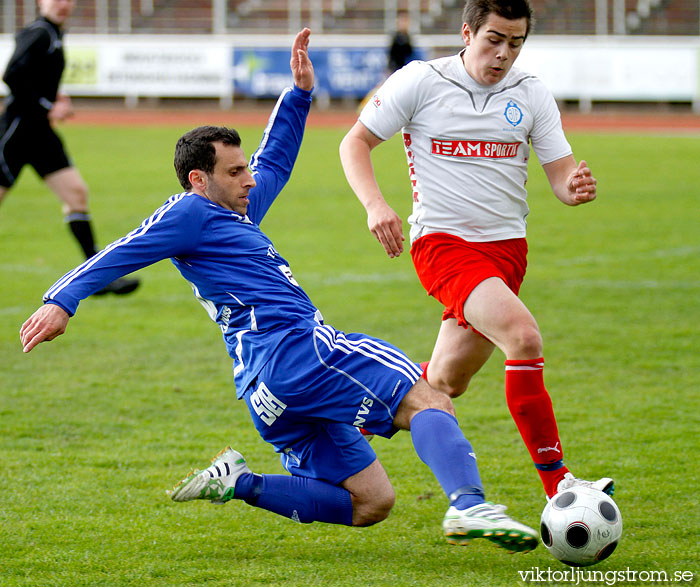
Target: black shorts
{"x":29,"y":142}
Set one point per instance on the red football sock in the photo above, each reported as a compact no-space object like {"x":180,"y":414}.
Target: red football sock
{"x":424,"y":366}
{"x":531,"y":408}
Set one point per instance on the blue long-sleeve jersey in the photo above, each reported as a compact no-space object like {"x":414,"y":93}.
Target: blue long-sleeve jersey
{"x":245,"y":285}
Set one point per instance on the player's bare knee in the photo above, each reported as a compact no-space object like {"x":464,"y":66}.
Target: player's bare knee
{"x":526,"y":343}
{"x":453,"y":387}
{"x":373,"y":510}
{"x":531,"y":342}
{"x":459,"y":389}
{"x":79,"y":197}
{"x":75,"y":199}
{"x":452,"y":372}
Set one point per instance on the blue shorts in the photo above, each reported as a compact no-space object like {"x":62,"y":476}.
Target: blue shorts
{"x":320,"y":387}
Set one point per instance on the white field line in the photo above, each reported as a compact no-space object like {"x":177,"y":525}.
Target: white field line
{"x":654,"y":254}
{"x":343,"y":278}
{"x":629,"y":284}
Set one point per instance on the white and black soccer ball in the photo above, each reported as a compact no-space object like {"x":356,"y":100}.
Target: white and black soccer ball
{"x":581,"y":526}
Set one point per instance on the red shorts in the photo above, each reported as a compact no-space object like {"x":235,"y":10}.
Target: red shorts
{"x":450,"y":268}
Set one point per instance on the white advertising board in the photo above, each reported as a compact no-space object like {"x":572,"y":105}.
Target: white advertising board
{"x":576,"y":68}
{"x":130,"y":66}
{"x":165,"y":69}
{"x":629,"y":68}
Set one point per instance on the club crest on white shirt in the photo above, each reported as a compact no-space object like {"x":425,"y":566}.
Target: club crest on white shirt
{"x":513,"y":113}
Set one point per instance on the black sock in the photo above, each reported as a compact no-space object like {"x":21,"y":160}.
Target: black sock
{"x":79,"y":224}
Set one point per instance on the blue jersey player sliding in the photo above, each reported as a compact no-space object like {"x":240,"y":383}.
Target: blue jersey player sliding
{"x":307,"y":385}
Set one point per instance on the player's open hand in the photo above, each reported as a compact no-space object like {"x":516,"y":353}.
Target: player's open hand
{"x":581,"y":184}
{"x":386,"y":226}
{"x":45,"y":324}
{"x":302,"y":68}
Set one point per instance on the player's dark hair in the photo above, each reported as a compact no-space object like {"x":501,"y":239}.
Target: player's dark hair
{"x":195,"y":150}
{"x":476,"y":12}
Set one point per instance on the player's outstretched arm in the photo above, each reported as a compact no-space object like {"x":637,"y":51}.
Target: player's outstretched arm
{"x":302,"y":68}
{"x":383,"y":222}
{"x":573,"y":184}
{"x":45,"y":324}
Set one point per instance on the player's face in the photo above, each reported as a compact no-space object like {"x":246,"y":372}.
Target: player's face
{"x":492,"y":51}
{"x":57,"y":11}
{"x":228,"y":185}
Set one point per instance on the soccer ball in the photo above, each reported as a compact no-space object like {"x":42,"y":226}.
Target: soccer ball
{"x":581,"y":526}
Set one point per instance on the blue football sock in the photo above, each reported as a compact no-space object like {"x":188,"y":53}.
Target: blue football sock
{"x":297,"y":498}
{"x":440,"y":444}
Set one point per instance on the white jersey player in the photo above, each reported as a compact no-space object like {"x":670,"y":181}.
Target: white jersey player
{"x":467,"y":122}
{"x":467,"y":145}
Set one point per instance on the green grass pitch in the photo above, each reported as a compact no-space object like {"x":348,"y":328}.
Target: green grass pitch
{"x":95,"y":426}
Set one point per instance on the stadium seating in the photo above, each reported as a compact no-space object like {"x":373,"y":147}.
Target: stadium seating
{"x":646,"y":17}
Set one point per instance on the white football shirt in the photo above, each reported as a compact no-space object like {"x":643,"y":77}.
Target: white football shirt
{"x":467,"y":145}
